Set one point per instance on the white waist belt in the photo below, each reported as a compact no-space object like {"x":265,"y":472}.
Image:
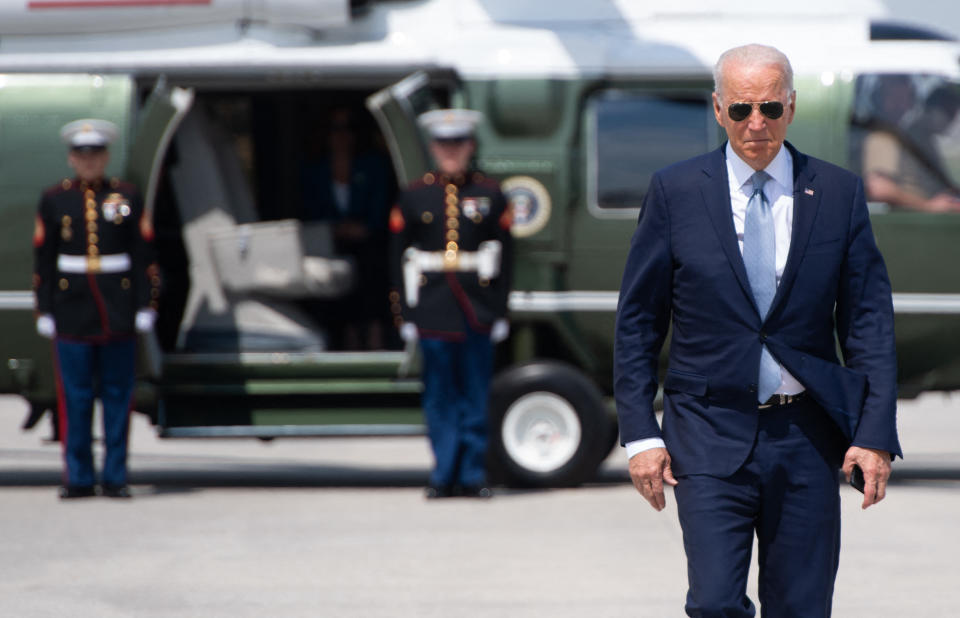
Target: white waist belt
{"x":79,"y":264}
{"x":485,"y":261}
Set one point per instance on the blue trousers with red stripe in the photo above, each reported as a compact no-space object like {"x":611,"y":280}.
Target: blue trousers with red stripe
{"x":87,"y":370}
{"x":456,"y":386}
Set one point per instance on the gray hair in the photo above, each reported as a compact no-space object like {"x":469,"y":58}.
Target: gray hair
{"x":753,"y":54}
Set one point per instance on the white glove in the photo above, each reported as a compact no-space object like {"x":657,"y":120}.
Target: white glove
{"x":499,"y":330}
{"x":145,"y":320}
{"x":46,"y":327}
{"x":408,"y":332}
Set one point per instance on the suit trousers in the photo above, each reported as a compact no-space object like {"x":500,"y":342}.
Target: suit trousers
{"x":787,"y":494}
{"x":86,"y":370}
{"x":456,"y":387}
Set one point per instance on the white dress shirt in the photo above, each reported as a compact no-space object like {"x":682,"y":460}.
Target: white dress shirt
{"x":779,"y":193}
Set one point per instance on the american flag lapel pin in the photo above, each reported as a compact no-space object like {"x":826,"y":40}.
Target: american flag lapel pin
{"x":808,"y":191}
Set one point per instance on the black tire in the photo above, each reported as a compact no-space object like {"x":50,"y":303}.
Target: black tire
{"x":549,"y":426}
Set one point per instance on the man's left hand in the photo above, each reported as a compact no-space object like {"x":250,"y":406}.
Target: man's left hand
{"x":144,"y":320}
{"x":876,"y":470}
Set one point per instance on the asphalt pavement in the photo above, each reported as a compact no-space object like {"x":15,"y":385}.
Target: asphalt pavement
{"x":339,"y":527}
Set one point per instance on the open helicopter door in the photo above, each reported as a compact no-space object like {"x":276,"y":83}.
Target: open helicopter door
{"x":396,"y":108}
{"x":157,"y":121}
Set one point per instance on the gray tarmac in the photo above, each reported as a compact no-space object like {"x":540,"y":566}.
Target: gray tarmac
{"x":339,"y":527}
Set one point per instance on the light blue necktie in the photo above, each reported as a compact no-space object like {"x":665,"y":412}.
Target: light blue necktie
{"x":760,"y":258}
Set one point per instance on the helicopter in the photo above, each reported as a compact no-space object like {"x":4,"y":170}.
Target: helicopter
{"x":222,"y":106}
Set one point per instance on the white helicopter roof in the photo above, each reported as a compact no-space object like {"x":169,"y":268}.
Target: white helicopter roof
{"x":478,"y":38}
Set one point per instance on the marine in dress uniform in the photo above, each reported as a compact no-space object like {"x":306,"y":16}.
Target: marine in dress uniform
{"x":451,"y":249}
{"x":96,"y":285}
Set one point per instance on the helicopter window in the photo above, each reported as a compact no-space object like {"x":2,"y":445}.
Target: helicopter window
{"x":906,"y":141}
{"x":633,"y":134}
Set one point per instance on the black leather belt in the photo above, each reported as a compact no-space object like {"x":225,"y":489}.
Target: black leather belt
{"x":782,"y":400}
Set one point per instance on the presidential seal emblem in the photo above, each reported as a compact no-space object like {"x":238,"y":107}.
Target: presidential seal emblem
{"x":530,"y":203}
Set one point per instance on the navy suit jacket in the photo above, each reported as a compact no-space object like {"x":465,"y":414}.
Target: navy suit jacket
{"x":685,"y":266}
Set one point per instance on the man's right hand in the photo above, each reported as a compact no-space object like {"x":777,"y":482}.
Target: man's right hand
{"x":46,"y":327}
{"x":649,"y":470}
{"x":408,"y":332}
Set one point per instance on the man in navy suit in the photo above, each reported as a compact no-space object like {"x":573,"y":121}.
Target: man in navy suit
{"x":763,"y":258}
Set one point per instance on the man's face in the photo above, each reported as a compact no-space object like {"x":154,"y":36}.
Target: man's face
{"x":452,"y":155}
{"x":89,"y":164}
{"x":756,"y":138}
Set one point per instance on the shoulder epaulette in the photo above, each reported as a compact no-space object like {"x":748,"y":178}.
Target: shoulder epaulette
{"x":64,"y":185}
{"x":424,"y":181}
{"x":485,"y":181}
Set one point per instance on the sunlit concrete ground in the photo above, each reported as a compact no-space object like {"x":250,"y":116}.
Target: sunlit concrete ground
{"x":340,"y":528}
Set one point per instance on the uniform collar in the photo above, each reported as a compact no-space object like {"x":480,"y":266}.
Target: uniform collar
{"x":96,"y":185}
{"x":458,"y":179}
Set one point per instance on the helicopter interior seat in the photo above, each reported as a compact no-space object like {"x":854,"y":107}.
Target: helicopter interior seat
{"x":243,"y":272}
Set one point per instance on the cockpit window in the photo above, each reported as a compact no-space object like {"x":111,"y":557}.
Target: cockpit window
{"x":906,"y":141}
{"x":635,"y":133}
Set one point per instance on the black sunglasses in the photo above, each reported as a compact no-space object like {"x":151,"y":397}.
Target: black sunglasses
{"x":740,"y":111}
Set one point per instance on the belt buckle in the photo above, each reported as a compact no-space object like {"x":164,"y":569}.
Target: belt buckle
{"x":780,"y":399}
{"x":450,"y":260}
{"x":93,"y":263}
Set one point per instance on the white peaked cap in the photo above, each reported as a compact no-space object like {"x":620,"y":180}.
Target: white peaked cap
{"x":450,"y":123}
{"x":88,"y":132}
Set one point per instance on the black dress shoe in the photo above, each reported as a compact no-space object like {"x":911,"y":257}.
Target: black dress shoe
{"x":69,"y":492}
{"x":438,"y":491}
{"x":475,"y":491}
{"x":116,"y":491}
